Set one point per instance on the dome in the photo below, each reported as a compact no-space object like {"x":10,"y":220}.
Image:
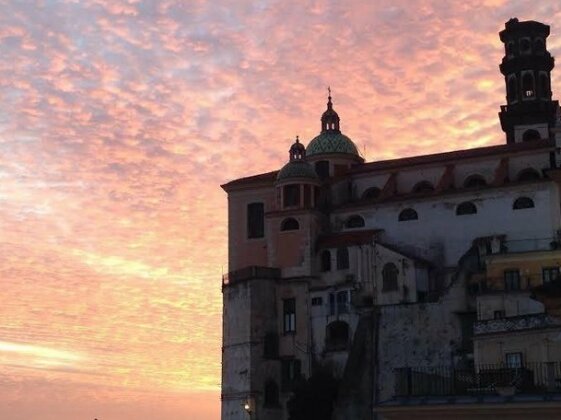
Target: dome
{"x":331,"y":142}
{"x":297,"y":169}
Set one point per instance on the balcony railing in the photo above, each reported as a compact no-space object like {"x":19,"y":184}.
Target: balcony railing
{"x":499,"y":379}
{"x":249,"y":273}
{"x":516,"y":323}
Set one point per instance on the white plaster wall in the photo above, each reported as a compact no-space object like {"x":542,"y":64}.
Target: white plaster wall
{"x":514,"y":304}
{"x":441,"y":236}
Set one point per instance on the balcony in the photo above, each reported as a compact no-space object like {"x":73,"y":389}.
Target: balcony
{"x":250,"y":273}
{"x":531,"y":378}
{"x":516,"y":323}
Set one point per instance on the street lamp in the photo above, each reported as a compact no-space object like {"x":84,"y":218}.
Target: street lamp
{"x":248,"y":406}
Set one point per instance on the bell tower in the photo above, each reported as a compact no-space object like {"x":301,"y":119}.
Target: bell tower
{"x":530,"y":112}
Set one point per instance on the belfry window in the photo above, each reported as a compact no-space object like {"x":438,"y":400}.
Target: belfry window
{"x":531,"y":135}
{"x":525,"y":46}
{"x":255,"y":220}
{"x":512,"y":89}
{"x":528,"y":85}
{"x":539,"y":46}
{"x":544,"y":86}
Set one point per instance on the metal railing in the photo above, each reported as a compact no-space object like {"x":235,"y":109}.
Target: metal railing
{"x":533,"y":378}
{"x":248,"y":273}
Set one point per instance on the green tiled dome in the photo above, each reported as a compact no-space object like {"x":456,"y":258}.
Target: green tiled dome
{"x":331,"y":142}
{"x":297,"y":169}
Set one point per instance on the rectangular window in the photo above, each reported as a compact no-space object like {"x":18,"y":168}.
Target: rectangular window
{"x":512,"y":279}
{"x":291,"y":195}
{"x":343,"y":302}
{"x":289,"y":315}
{"x":291,"y":370}
{"x":514,"y":360}
{"x":317,"y":301}
{"x":255,"y":220}
{"x":332,"y":308}
{"x":550,"y":274}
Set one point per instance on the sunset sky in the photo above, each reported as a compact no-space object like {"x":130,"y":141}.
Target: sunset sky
{"x":119,"y":120}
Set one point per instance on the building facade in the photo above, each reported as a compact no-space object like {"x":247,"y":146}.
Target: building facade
{"x":408,"y":279}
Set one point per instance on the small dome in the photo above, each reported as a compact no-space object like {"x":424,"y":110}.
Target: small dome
{"x":297,"y":169}
{"x":331,"y":142}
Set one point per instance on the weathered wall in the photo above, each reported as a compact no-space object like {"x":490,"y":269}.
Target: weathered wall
{"x":424,"y":334}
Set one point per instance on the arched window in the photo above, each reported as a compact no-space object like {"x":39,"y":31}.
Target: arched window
{"x":467,"y":207}
{"x":371,"y":193}
{"x":530,"y":135}
{"x":407,"y":214}
{"x":355,"y":221}
{"x":474,"y":181}
{"x":528,"y":174}
{"x":337,"y":336}
{"x":512,"y":89}
{"x":423,"y":187}
{"x":389,"y":277}
{"x":523,"y":203}
{"x":544,"y":86}
{"x":290,"y":224}
{"x":342,"y":258}
{"x":539,"y":46}
{"x":510,"y":48}
{"x":271,"y":394}
{"x":325,"y":260}
{"x":525,"y":46}
{"x":528,"y":85}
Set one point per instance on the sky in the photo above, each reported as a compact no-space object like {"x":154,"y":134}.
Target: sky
{"x":119,"y":120}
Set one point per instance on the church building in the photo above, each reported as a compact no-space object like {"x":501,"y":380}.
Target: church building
{"x":426,"y":285}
